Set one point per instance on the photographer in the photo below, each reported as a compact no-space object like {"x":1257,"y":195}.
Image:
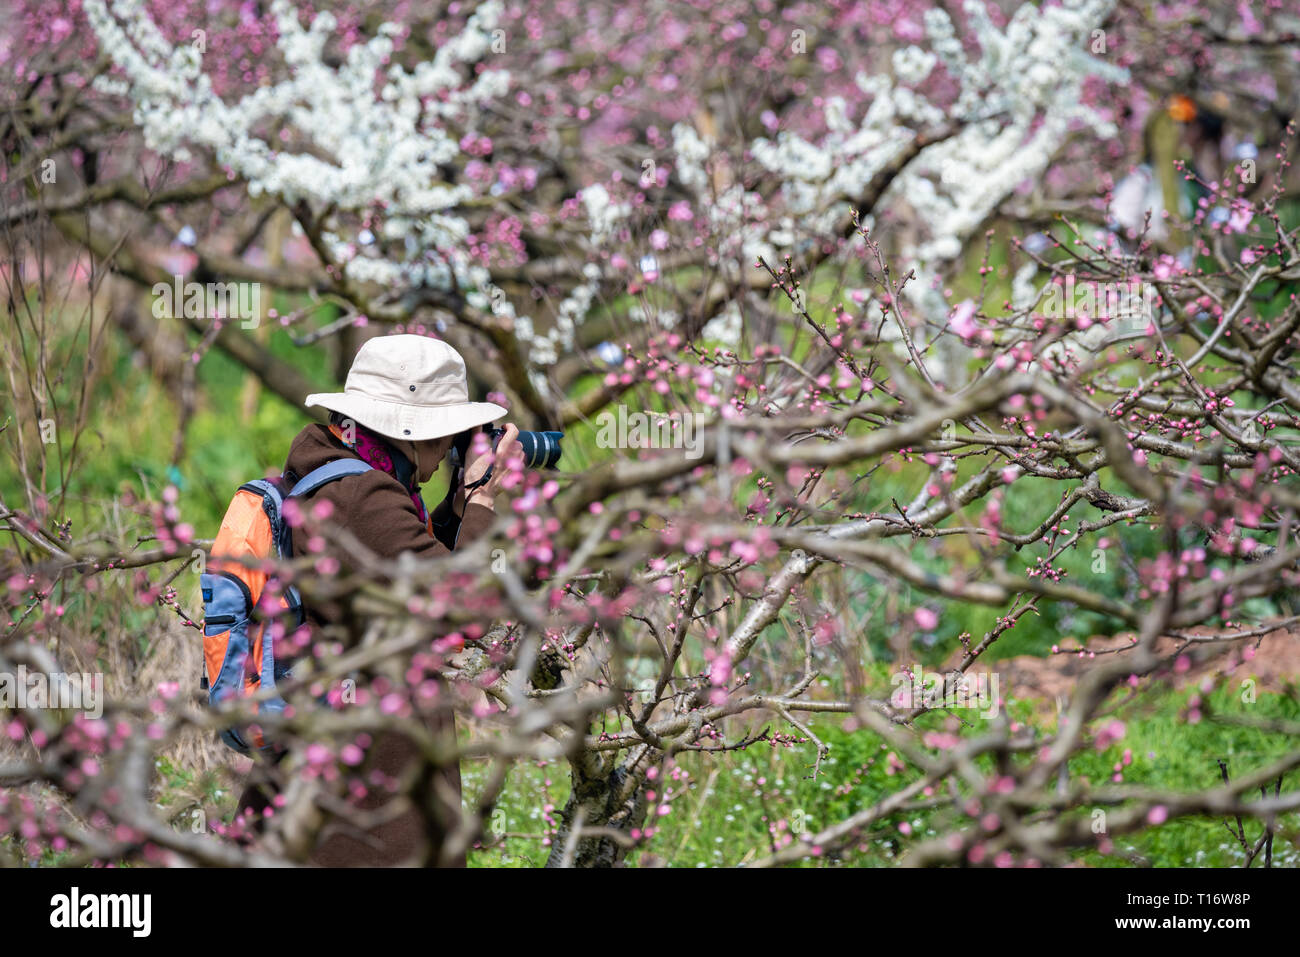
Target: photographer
{"x":405,"y":402}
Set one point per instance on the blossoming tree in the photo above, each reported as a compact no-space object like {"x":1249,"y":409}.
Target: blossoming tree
{"x":926,"y":300}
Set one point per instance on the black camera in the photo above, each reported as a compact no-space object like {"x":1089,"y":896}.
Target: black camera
{"x":541,"y":449}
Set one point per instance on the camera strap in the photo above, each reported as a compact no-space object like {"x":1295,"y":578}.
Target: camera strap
{"x":444,"y":523}
{"x":481,"y":482}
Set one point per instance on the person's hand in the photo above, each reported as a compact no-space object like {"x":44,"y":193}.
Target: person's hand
{"x":508,"y":449}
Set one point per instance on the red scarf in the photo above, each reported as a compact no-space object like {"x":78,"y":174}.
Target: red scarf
{"x":375,"y":452}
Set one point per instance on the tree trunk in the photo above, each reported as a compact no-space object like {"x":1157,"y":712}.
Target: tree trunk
{"x":605,"y":795}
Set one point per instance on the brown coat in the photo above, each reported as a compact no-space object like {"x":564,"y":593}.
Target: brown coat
{"x":374,"y":508}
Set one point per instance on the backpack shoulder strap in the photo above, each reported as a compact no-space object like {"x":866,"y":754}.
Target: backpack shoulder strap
{"x":329,"y":472}
{"x":272,"y":492}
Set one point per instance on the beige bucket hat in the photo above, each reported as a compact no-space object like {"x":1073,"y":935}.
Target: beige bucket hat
{"x":408,"y":387}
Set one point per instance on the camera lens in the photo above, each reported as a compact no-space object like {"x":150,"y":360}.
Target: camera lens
{"x":541,"y":449}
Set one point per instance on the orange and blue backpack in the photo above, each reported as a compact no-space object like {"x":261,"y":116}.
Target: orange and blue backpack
{"x":239,"y":656}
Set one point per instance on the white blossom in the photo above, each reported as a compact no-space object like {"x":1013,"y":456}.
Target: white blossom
{"x":1017,"y":100}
